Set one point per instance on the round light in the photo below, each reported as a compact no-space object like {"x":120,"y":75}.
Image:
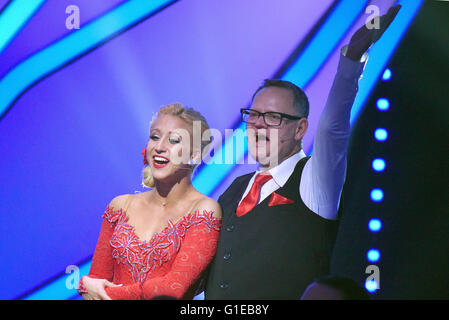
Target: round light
{"x":383,"y":104}
{"x":381,"y":134}
{"x":378,"y":164}
{"x":373,"y":255}
{"x":386,"y":75}
{"x":371,"y":285}
{"x":377,"y":195}
{"x":374,"y":225}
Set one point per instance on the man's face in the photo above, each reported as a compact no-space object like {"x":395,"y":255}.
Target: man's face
{"x":270,"y":145}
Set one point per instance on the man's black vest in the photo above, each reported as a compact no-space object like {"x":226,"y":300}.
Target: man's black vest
{"x":272,"y":252}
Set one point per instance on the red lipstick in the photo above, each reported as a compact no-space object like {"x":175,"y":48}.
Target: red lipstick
{"x":160,"y":162}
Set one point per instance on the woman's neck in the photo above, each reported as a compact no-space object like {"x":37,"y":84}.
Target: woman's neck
{"x":169,"y":193}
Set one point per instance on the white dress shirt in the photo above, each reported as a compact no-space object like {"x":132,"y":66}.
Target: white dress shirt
{"x":324,"y":174}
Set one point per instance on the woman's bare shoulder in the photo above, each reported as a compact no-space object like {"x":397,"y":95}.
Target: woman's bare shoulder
{"x":119,"y":201}
{"x":124,"y":200}
{"x":208,"y":204}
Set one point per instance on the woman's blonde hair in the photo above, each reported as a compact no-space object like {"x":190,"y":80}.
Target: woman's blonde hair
{"x":189,"y":115}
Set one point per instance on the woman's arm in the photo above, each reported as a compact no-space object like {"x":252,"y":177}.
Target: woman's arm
{"x":102,"y":261}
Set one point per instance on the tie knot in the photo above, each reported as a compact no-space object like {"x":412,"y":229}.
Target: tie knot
{"x":251,"y":199}
{"x":262,"y":178}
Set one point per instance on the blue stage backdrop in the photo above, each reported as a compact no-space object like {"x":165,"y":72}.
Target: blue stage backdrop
{"x":75,"y":104}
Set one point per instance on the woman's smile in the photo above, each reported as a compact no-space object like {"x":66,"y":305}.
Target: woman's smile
{"x":160,"y":162}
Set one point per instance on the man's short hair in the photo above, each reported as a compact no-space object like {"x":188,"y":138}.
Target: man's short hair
{"x":300,"y":101}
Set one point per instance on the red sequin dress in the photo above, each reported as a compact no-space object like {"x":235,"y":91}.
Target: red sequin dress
{"x":166,"y":265}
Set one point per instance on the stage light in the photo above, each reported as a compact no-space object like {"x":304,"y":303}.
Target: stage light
{"x":374,"y":225}
{"x":373,"y":255}
{"x":386,"y":75}
{"x":383,"y":104}
{"x":377,"y":195}
{"x":371,"y":285}
{"x":381,"y":134}
{"x":378,"y":164}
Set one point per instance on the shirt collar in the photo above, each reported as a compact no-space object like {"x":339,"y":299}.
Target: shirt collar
{"x":284,"y":170}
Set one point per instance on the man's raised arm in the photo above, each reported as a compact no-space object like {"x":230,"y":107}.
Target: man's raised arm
{"x":324,"y":175}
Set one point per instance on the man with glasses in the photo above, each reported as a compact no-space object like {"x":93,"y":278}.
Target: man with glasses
{"x":280,"y":223}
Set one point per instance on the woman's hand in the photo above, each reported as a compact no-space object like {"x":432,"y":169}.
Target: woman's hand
{"x":96,"y":288}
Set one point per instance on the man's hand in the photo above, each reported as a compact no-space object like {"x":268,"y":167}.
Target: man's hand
{"x":364,"y":38}
{"x":96,"y":288}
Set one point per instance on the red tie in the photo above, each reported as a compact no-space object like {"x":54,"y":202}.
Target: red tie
{"x":251,"y":199}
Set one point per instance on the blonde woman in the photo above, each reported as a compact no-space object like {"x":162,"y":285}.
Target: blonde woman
{"x":158,"y":242}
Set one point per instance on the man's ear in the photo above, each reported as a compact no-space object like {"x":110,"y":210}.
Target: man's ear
{"x":301,"y":128}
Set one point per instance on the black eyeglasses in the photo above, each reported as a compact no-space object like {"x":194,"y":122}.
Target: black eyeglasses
{"x":270,"y":118}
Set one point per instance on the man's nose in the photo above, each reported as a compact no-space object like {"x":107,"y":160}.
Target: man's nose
{"x":260,"y":122}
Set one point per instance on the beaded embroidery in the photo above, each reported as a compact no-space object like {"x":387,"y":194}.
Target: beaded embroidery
{"x":142,"y":257}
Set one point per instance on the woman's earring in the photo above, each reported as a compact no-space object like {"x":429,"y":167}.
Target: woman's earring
{"x":193,"y":162}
